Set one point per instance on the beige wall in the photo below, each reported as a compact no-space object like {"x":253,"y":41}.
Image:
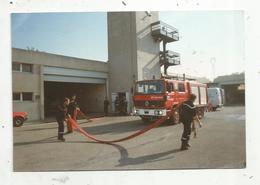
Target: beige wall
{"x":147,"y":49}
{"x":32,"y":108}
{"x":28,"y":82}
{"x":31,"y":57}
{"x":121,"y":51}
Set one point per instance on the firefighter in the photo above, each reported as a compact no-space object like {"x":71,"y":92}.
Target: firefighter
{"x":72,"y":111}
{"x":117,"y":104}
{"x":106,"y":104}
{"x":187,"y":114}
{"x":124,"y":106}
{"x":61,"y":114}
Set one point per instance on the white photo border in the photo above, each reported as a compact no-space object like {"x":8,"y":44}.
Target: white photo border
{"x":152,"y":177}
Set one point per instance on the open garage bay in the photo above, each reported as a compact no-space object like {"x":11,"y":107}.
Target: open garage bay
{"x":90,"y":97}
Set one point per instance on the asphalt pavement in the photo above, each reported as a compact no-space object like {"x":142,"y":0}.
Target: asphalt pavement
{"x":220,"y":144}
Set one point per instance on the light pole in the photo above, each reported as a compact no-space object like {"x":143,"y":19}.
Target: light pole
{"x":212,"y":62}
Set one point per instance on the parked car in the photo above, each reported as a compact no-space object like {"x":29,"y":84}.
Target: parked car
{"x":19,"y":118}
{"x":216,"y":98}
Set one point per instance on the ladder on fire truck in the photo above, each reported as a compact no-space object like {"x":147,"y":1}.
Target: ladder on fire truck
{"x":182,"y":77}
{"x":167,"y":34}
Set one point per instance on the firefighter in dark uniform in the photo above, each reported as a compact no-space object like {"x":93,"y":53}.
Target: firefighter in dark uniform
{"x":188,"y":112}
{"x":117,"y":104}
{"x":72,"y":111}
{"x":106,"y":104}
{"x":124,"y":106}
{"x":61,"y":114}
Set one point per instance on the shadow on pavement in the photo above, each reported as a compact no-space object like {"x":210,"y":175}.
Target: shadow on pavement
{"x":117,"y":128}
{"x":126,"y":160}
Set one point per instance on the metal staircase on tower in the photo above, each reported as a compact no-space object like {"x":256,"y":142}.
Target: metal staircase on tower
{"x":165,"y":33}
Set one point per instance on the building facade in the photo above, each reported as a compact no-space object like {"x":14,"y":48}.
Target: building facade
{"x":40,"y":80}
{"x":234,"y":87}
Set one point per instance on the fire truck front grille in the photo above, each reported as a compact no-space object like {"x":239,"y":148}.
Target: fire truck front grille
{"x":149,"y":103}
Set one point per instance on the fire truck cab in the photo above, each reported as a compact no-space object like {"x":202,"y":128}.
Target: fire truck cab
{"x":155,"y":98}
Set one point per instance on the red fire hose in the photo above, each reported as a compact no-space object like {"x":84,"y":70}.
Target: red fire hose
{"x":85,"y":133}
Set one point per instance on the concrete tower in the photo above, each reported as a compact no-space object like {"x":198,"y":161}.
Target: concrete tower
{"x":133,"y":53}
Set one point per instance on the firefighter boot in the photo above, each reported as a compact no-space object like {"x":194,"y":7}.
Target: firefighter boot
{"x":184,"y":145}
{"x":60,"y":137}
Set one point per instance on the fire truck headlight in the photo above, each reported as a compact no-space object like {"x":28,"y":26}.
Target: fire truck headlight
{"x":158,"y":112}
{"x":136,"y":111}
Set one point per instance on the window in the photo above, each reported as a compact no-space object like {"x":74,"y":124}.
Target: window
{"x":170,"y":87}
{"x":27,"y":96}
{"x":181,"y":87}
{"x":16,"y":96}
{"x":150,"y":87}
{"x":195,"y":90}
{"x":203,"y":95}
{"x":176,"y":86}
{"x":16,"y":66}
{"x":21,"y":67}
{"x":22,"y":96}
{"x":27,"y":68}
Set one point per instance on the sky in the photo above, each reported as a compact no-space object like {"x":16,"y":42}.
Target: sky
{"x":211,"y":42}
{"x":81,"y":35}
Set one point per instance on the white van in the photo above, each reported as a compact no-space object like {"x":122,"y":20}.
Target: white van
{"x":216,"y":97}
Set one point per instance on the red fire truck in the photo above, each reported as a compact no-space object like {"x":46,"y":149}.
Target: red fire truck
{"x":154,"y":98}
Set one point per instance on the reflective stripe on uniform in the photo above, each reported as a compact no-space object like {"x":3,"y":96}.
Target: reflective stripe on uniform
{"x":189,"y":106}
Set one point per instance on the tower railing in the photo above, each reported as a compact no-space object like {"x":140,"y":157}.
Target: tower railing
{"x":169,"y":58}
{"x":163,"y":31}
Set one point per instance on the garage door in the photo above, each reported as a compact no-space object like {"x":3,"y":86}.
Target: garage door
{"x":57,"y":74}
